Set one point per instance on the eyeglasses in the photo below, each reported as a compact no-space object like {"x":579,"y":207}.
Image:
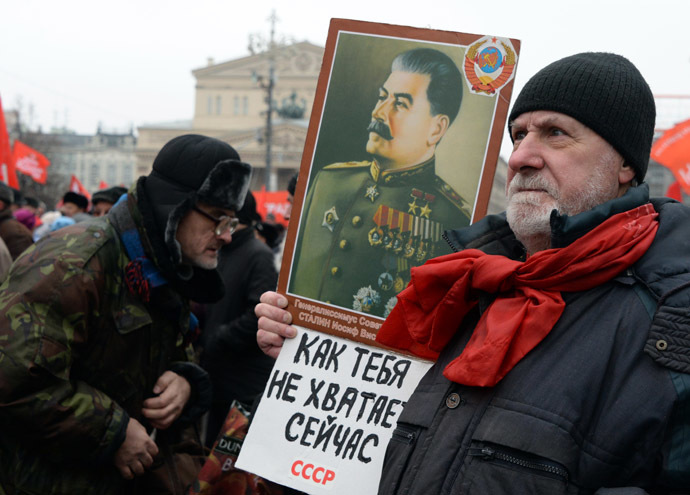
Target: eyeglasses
{"x":223,"y":224}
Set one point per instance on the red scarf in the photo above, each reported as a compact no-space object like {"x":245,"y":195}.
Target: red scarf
{"x":528,"y":296}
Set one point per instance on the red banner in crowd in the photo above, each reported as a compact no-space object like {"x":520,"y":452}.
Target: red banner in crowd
{"x":30,"y":162}
{"x":8,"y":175}
{"x":672,"y":150}
{"x":272,"y":205}
{"x":76,"y":186}
{"x":673,"y":191}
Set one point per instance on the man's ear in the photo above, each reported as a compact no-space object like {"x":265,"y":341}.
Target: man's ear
{"x":626,"y":174}
{"x":439,"y":126}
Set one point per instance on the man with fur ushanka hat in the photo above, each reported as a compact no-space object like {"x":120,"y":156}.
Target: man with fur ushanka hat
{"x":73,"y":204}
{"x":97,"y":331}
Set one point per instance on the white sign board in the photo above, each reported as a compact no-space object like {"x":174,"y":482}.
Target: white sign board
{"x":327,"y":413}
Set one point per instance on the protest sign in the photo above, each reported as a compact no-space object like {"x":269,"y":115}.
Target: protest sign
{"x":327,"y":414}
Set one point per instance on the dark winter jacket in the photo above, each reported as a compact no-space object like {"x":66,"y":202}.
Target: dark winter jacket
{"x":79,"y":353}
{"x":238,"y":368}
{"x":601,"y":402}
{"x":16,"y":236}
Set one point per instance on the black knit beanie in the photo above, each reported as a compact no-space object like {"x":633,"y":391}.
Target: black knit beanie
{"x":603,"y":91}
{"x":191,"y":169}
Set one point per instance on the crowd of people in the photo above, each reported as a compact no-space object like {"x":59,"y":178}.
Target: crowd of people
{"x":29,"y":220}
{"x":558,"y":328}
{"x":25,"y":220}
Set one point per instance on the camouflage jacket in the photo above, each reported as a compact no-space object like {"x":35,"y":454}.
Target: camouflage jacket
{"x":78,"y":355}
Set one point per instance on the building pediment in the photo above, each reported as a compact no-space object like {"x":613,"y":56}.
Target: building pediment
{"x":299,"y":60}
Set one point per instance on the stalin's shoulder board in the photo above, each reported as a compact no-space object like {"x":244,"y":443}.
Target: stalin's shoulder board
{"x":451,"y":195}
{"x":348,"y":165}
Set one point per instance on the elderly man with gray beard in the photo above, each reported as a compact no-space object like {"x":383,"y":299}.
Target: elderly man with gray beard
{"x":560,"y":329}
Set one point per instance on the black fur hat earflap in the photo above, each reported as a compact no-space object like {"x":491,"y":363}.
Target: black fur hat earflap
{"x":191,"y":169}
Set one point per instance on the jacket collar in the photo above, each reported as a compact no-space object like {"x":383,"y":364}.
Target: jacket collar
{"x":412,"y":174}
{"x":565,"y":229}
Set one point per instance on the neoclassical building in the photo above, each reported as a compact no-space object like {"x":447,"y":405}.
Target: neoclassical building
{"x":231,"y":103}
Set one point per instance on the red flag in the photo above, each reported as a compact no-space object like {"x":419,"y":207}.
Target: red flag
{"x":672,"y":150}
{"x":76,"y":186}
{"x":674,"y":191}
{"x":103,"y":185}
{"x":30,"y":162}
{"x":274,"y":204}
{"x":7,"y":171}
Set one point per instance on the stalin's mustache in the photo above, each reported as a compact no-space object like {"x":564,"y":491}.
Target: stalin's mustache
{"x":381,"y":129}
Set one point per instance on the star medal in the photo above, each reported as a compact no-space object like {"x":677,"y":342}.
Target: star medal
{"x":424,"y":210}
{"x":387,"y":240}
{"x":398,"y":242}
{"x":389,"y":306}
{"x":421,"y":251}
{"x":375,"y":236}
{"x":398,"y":284}
{"x":409,"y":248}
{"x":330,"y":218}
{"x":372,"y":193}
{"x":365,"y":299}
{"x":385,"y":281}
{"x":378,"y":233}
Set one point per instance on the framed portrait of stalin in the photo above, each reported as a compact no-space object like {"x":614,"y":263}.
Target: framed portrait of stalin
{"x":402,"y":146}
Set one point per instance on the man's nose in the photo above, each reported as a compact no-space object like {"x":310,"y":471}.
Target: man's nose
{"x":528,"y":153}
{"x":381,"y":110}
{"x":226,"y":237}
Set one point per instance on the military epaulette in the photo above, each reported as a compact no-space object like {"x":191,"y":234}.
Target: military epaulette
{"x":348,"y":165}
{"x":451,"y":195}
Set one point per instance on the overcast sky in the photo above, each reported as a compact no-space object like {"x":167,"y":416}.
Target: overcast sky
{"x":78,"y":63}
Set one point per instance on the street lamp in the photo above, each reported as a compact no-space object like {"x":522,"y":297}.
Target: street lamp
{"x":268,"y":85}
{"x":257,"y":44}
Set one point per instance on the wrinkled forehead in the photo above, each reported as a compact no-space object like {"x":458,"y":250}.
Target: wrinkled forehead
{"x":544,"y":119}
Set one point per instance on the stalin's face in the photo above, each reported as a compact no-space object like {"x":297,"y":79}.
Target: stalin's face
{"x":403,"y":132}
